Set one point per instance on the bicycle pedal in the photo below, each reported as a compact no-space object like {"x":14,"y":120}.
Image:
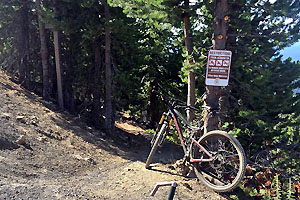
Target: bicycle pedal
{"x":185,"y":170}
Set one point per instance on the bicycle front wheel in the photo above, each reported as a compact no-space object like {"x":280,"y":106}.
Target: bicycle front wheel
{"x":227,"y":168}
{"x":155,"y":145}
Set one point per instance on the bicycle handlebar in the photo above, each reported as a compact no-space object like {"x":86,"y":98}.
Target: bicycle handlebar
{"x":180,"y":103}
{"x":171,"y":100}
{"x":213,"y":109}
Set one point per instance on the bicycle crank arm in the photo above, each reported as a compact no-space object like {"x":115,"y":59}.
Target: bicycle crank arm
{"x":201,"y":160}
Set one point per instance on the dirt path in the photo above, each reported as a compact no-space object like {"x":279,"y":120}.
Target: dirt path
{"x":63,"y":158}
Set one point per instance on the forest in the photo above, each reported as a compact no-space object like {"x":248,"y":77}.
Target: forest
{"x":98,"y":58}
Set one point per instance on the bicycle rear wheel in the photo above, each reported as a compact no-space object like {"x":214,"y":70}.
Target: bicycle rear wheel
{"x":155,"y":145}
{"x":227,"y":168}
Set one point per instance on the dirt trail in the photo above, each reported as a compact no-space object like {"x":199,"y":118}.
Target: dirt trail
{"x":63,"y":158}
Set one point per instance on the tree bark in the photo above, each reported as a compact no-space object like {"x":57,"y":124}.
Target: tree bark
{"x":191,"y":97}
{"x":153,"y":108}
{"x":58,"y":69}
{"x":108,"y":74}
{"x":96,"y":88}
{"x":44,"y":52}
{"x":68,"y":75}
{"x":57,"y":49}
{"x":213,"y":93}
{"x":23,"y":45}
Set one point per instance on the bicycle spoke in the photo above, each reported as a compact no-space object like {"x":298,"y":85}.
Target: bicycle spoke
{"x":223,"y":172}
{"x":213,"y":178}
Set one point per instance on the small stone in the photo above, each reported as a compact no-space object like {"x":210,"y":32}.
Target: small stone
{"x":21,"y":118}
{"x":21,"y":140}
{"x":187,"y":186}
{"x":42,"y":139}
{"x":91,"y":161}
{"x":5,"y":116}
{"x":128,"y":169}
{"x":34,"y":121}
{"x":2,"y":158}
{"x":171,"y":167}
{"x":79,"y":157}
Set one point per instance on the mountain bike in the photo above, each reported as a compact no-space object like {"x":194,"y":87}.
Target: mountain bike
{"x":218,"y":158}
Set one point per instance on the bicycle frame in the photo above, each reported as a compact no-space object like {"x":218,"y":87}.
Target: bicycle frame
{"x":175,"y":115}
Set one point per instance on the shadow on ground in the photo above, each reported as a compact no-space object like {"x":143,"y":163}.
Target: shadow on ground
{"x":128,"y":145}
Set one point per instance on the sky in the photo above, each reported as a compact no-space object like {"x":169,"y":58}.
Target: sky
{"x":292,"y":51}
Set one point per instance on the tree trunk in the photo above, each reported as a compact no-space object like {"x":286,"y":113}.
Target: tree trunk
{"x":23,"y":45}
{"x":108,"y":74}
{"x":57,"y":49}
{"x":58,"y":69}
{"x":213,"y":93}
{"x":68,"y":75}
{"x":96,"y":88}
{"x":153,"y":108}
{"x":189,"y":61}
{"x":44,"y":53}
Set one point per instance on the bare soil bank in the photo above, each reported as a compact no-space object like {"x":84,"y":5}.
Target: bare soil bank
{"x":62,"y":158}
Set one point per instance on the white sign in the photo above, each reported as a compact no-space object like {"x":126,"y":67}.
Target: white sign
{"x":218,"y":67}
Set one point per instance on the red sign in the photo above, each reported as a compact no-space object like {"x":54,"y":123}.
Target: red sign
{"x":219,"y":63}
{"x":226,"y":63}
{"x":212,"y":62}
{"x":218,"y":67}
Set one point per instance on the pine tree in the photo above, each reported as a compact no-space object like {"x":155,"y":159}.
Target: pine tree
{"x":261,"y":84}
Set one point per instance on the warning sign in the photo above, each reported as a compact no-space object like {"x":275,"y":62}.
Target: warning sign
{"x":218,"y":67}
{"x":226,"y":63}
{"x":219,"y":63}
{"x":212,"y":62}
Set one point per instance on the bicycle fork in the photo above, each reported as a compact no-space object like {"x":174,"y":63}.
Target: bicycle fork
{"x":162,"y":120}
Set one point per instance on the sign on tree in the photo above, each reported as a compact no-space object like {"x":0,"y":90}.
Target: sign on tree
{"x":218,"y":67}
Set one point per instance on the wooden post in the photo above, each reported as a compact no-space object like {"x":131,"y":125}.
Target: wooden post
{"x":58,"y":69}
{"x":191,"y":98}
{"x":213,"y":93}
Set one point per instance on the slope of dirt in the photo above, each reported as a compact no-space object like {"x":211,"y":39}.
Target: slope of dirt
{"x":46,"y":154}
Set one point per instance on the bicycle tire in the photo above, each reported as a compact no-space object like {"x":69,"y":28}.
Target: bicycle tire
{"x":234,"y":162}
{"x":155,"y":145}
